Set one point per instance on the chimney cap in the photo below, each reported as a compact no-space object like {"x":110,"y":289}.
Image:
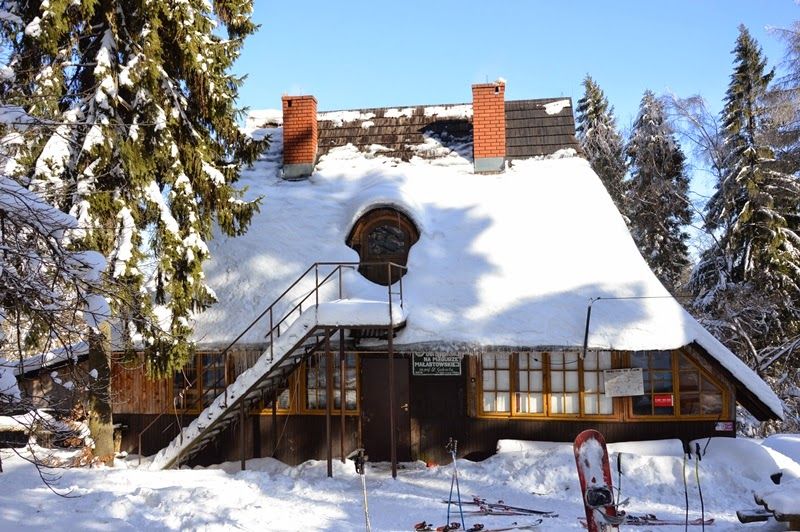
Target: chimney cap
{"x":499,"y":82}
{"x":286,"y":97}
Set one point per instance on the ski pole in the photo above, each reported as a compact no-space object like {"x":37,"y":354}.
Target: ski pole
{"x":685,"y":494}
{"x":699,"y":489}
{"x":359,"y":460}
{"x":619,"y":478}
{"x":452,"y":447}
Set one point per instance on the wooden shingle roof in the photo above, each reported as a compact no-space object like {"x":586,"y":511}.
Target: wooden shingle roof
{"x":530,"y":130}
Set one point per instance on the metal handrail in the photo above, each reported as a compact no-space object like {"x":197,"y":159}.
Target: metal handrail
{"x":274,"y":329}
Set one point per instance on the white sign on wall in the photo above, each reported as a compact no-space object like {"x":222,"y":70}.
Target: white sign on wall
{"x":624,"y":382}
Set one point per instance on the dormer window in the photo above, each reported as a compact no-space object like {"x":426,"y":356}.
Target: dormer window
{"x":381,"y":236}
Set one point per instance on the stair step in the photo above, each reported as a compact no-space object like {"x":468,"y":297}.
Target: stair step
{"x":273,"y":365}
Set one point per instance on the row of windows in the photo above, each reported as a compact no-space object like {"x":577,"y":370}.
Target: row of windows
{"x":559,"y":383}
{"x":531,"y":384}
{"x":537,"y":383}
{"x":313,"y":375}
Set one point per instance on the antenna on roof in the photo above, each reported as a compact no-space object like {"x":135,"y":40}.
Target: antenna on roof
{"x":592,"y":301}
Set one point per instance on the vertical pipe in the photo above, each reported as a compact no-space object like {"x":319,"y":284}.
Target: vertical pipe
{"x":586,"y":331}
{"x":329,"y":399}
{"x":316,"y":285}
{"x":343,"y":392}
{"x":241,"y":433}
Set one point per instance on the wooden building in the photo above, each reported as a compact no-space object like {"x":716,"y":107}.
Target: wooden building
{"x":430,"y":272}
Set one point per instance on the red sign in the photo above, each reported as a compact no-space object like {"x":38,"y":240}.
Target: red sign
{"x":663,"y":399}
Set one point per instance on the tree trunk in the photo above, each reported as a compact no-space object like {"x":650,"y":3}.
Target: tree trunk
{"x":101,"y":423}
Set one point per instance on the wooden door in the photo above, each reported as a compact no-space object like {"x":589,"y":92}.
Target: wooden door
{"x":375,"y":408}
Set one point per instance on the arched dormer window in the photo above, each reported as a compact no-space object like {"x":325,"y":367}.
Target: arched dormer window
{"x":383,"y":235}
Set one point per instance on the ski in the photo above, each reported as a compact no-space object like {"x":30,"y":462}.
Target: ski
{"x":494,"y":511}
{"x":500,"y":505}
{"x":651,"y":520}
{"x":478,"y":527}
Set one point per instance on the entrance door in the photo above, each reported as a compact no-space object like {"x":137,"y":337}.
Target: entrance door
{"x":375,"y":408}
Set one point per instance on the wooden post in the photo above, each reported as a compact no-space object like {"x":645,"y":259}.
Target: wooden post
{"x":241,"y":432}
{"x":274,"y":422}
{"x":329,"y":399}
{"x":343,"y":392}
{"x":392,"y":435}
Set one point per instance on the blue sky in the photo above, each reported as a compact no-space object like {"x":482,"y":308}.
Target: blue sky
{"x":353,"y":54}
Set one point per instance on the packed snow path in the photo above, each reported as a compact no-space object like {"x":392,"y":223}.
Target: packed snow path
{"x":282,"y":355}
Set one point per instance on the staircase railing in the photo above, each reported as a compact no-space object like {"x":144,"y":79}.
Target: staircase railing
{"x":274,"y":331}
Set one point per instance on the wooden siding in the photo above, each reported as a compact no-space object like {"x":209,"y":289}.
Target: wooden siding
{"x":135,"y":393}
{"x":439,"y":409}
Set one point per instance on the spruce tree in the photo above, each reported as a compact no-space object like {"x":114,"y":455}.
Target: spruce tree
{"x":658,"y":203}
{"x":785,"y":104}
{"x":600,"y":141}
{"x":754,"y":211}
{"x":144,"y":151}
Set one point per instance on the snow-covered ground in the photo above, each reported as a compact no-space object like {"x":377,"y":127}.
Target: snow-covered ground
{"x":272,"y":496}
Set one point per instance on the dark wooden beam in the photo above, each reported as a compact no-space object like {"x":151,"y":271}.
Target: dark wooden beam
{"x":329,"y":400}
{"x":241,"y":433}
{"x":392,"y":434}
{"x":343,"y":392}
{"x":275,"y":422}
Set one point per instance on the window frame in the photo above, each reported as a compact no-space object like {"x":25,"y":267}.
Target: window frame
{"x":198,"y":389}
{"x":302,"y":389}
{"x":292,"y":388}
{"x":675,"y":355}
{"x":358,"y":240}
{"x":617,"y":409}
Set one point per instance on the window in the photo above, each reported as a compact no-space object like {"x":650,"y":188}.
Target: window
{"x":698,"y":394}
{"x":203,"y":377}
{"x":530,"y":384}
{"x":595,"y":401}
{"x":497,"y":382}
{"x":564,"y":383}
{"x":379,"y":237}
{"x":534,"y":383}
{"x":658,"y":398}
{"x":285,"y":403}
{"x":316,"y":383}
{"x":675,"y":386}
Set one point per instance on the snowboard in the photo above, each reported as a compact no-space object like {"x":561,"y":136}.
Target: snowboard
{"x":594,"y":472}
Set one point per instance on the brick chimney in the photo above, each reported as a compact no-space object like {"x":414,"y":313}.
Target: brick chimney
{"x":489,"y":127}
{"x":299,"y":136}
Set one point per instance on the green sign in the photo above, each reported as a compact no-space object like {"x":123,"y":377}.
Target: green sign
{"x":436,"y":364}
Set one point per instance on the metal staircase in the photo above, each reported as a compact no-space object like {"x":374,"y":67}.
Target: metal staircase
{"x":298,"y":332}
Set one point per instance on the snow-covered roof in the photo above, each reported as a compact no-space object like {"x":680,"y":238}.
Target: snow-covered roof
{"x":502,"y":260}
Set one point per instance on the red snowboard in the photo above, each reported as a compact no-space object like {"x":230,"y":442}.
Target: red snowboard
{"x":591,"y":457}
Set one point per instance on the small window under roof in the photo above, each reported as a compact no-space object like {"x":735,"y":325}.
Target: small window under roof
{"x":380,"y":237}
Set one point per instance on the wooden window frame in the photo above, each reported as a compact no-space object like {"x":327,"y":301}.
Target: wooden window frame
{"x":616,"y":415}
{"x":515,"y":374}
{"x":675,"y":355}
{"x":302,"y":389}
{"x":292,"y":387}
{"x":198,"y":389}
{"x":358,"y":240}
